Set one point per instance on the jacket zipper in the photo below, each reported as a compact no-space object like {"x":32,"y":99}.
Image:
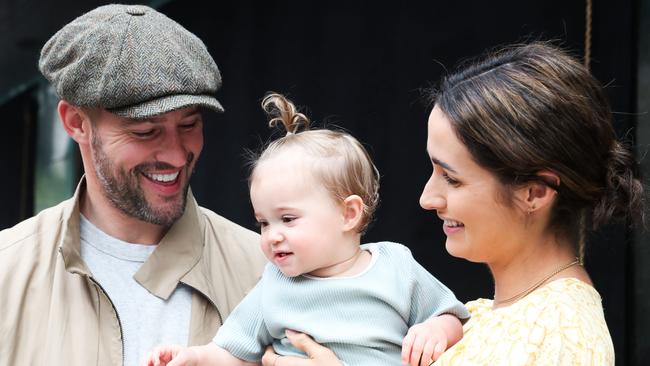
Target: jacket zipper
{"x":117,"y":315}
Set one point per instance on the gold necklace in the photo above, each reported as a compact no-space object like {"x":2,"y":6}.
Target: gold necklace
{"x":538,"y":283}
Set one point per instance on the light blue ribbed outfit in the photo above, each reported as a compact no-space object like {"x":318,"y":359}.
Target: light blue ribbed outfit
{"x":362,"y":318}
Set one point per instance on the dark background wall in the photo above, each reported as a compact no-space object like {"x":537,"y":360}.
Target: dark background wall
{"x":361,"y":65}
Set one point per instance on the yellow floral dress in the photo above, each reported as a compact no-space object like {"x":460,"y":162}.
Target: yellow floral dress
{"x":561,"y":323}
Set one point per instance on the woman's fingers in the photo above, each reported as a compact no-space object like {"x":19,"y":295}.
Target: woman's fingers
{"x":318,"y":355}
{"x":270,"y":357}
{"x":304,"y":343}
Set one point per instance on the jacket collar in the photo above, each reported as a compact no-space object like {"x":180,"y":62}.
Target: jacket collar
{"x":177,"y":253}
{"x":70,"y":246}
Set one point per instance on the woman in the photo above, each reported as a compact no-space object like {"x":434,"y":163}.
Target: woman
{"x":525,"y":160}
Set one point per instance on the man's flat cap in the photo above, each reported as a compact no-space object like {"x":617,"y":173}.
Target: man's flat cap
{"x":131,"y":60}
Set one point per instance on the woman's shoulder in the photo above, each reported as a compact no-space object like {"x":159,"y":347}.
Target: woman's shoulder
{"x":565,"y":302}
{"x":566,"y":296}
{"x":560,"y":323}
{"x":570,"y":286}
{"x":567,"y":314}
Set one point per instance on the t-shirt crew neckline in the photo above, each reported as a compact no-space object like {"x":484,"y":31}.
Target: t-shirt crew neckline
{"x":134,"y":252}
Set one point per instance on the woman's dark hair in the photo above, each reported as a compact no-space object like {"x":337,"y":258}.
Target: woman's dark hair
{"x":532,"y":107}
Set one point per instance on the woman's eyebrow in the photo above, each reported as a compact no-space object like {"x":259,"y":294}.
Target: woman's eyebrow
{"x":443,"y":164}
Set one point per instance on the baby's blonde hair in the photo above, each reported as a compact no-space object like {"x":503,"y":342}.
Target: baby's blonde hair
{"x":349,"y":169}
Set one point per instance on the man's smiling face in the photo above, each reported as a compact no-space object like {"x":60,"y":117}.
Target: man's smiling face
{"x":144,"y":166}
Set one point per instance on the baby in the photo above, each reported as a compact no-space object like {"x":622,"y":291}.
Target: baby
{"x":314,"y":193}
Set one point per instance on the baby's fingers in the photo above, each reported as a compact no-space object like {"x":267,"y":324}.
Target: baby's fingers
{"x":416,"y":351}
{"x":151,"y":359}
{"x":440,"y":347}
{"x":427,"y":352}
{"x":160,"y":356}
{"x":407,"y":345}
{"x":148,"y":361}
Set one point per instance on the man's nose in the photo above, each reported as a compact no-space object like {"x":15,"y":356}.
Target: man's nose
{"x":172,"y":150}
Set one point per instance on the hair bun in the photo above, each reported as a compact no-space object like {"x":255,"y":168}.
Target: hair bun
{"x":281,"y":109}
{"x":623,"y":194}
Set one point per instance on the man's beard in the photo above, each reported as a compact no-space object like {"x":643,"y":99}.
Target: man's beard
{"x":123,"y":189}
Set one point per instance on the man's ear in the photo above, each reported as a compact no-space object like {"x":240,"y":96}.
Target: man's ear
{"x":352,"y":212}
{"x":539,"y":195}
{"x":75,"y":122}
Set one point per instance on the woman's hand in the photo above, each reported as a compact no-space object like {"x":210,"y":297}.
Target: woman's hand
{"x":318,"y":355}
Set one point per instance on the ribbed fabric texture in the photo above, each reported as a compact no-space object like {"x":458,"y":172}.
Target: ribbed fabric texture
{"x":363,"y":318}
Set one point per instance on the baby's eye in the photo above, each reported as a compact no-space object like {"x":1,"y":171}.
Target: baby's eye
{"x":288,"y":219}
{"x":261,"y":224}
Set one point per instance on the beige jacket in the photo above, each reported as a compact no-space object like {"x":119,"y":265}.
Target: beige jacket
{"x":52,"y":312}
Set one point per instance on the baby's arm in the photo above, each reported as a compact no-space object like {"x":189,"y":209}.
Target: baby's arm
{"x":429,"y":335}
{"x":209,"y":354}
{"x":428,"y":340}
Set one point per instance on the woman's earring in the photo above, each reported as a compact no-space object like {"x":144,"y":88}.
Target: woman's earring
{"x":531,"y":209}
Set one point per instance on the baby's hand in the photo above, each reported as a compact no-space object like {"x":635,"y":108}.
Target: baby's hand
{"x":424,"y":342}
{"x":170,"y":355}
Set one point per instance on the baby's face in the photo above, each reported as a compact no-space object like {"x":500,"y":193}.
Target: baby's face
{"x":301,"y":225}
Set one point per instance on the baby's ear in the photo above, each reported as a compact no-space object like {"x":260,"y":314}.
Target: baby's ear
{"x":352,"y":212}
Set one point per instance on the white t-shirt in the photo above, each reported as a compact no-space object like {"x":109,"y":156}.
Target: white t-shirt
{"x":146,"y":320}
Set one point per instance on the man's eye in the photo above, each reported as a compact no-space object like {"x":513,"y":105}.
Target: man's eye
{"x":143,"y":134}
{"x":189,"y":126}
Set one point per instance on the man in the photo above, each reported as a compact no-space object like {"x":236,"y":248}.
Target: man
{"x":131,"y":260}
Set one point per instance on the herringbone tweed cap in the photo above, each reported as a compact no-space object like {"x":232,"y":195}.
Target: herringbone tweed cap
{"x":132,"y":61}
